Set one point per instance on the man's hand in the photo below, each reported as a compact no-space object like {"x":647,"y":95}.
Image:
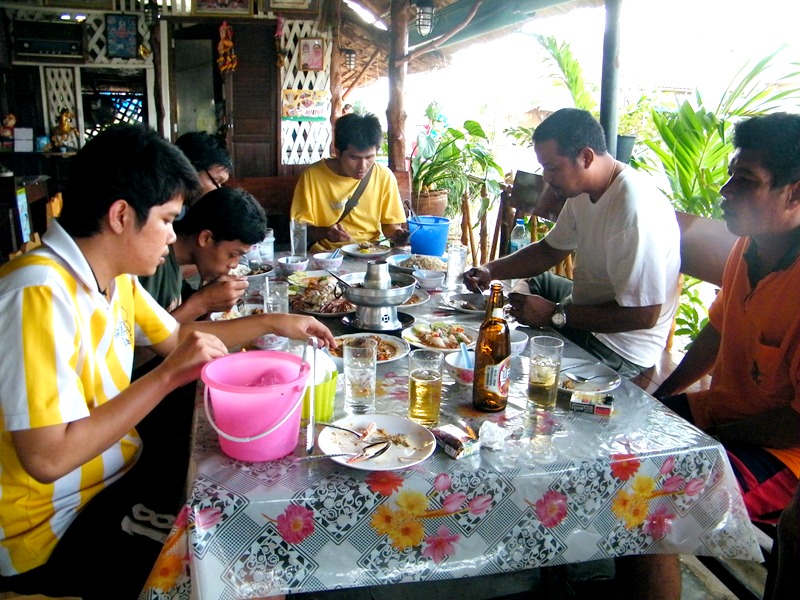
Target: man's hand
{"x":300,"y":327}
{"x":336,"y":233}
{"x":400,"y":237}
{"x":530,"y":309}
{"x":477,"y":279}
{"x":193,"y":351}
{"x":220,"y":294}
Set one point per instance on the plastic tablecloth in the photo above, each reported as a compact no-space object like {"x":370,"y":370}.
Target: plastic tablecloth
{"x":565,"y":487}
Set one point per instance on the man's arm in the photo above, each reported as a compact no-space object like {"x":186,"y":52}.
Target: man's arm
{"x":608,"y":317}
{"x":218,"y":295}
{"x":48,"y":453}
{"x":778,"y":428}
{"x":698,"y":361}
{"x":527,"y":262}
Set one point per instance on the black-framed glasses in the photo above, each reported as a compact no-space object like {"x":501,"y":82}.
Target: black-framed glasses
{"x":214,"y":181}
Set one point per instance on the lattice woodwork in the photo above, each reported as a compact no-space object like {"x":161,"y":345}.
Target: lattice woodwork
{"x":304,"y":142}
{"x":61,"y":91}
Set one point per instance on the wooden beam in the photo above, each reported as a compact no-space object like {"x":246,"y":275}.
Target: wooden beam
{"x":395,"y":111}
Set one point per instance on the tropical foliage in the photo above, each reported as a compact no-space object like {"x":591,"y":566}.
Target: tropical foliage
{"x":455,"y":159}
{"x":569,"y":73}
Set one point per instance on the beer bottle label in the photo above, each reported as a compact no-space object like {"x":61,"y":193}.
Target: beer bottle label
{"x":498,"y":313}
{"x":495,"y":377}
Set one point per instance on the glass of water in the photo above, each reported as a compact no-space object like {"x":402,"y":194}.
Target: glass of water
{"x":456,"y":264}
{"x":360,"y":362}
{"x":276,"y":296}
{"x":297,"y":232}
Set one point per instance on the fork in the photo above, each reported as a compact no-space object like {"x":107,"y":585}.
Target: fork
{"x":367,"y":452}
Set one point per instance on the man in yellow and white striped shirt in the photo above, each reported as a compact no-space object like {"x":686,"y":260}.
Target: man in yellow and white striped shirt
{"x":73,"y":311}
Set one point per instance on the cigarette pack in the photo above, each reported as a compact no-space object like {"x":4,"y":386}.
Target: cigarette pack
{"x":596,"y":404}
{"x":455,"y":441}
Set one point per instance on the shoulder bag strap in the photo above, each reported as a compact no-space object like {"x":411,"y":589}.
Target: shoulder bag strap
{"x":352,"y":202}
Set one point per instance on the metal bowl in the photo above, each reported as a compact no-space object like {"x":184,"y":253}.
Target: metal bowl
{"x":370,"y":297}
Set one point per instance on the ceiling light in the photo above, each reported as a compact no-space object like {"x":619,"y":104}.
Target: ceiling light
{"x":424,"y":21}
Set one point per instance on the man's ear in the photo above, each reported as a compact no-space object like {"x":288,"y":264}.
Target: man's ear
{"x":793,"y":200}
{"x":586,"y":157}
{"x":120,"y":215}
{"x":205,"y":238}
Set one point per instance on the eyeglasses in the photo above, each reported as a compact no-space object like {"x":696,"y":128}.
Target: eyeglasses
{"x":214,"y":181}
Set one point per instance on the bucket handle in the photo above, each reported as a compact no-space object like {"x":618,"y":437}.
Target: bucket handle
{"x":258,"y":436}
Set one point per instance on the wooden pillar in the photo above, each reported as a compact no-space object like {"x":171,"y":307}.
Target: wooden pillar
{"x":335,"y":80}
{"x":609,"y":117}
{"x":397,"y":69}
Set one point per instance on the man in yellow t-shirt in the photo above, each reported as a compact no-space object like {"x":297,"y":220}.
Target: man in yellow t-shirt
{"x":320,"y":198}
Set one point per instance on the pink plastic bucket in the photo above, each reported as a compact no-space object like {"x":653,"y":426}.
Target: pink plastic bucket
{"x":253,"y":401}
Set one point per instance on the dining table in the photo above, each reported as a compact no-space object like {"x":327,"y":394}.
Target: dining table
{"x":545,"y":488}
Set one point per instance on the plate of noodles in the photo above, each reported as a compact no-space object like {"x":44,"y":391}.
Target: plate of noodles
{"x":406,"y":262}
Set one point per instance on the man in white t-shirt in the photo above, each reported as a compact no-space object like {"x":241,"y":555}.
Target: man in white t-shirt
{"x":626,"y":241}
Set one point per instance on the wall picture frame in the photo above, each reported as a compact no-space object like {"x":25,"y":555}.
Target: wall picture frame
{"x":291,"y":6}
{"x":122,"y":36}
{"x":312,"y":54}
{"x":222,"y":8}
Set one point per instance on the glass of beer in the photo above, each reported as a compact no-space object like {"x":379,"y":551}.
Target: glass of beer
{"x":425,"y":386}
{"x":360,"y":357}
{"x":545,"y":352}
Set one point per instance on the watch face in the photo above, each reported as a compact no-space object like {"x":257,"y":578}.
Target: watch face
{"x":559,"y":318}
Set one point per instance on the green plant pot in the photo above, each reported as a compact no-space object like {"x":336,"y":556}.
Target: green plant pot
{"x":625,"y":147}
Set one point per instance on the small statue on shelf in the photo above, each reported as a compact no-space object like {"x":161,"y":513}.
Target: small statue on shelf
{"x":7,"y":130}
{"x":64,"y":131}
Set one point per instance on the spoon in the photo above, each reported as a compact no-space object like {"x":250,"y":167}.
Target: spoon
{"x":369,"y":451}
{"x":339,"y":279}
{"x":336,"y":252}
{"x":581,"y":379}
{"x":465,"y":356}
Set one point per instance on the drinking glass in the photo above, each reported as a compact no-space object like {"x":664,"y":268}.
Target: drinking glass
{"x":360,"y":361}
{"x":276,"y":296}
{"x":545,"y":352}
{"x":425,"y":386}
{"x":297,"y":232}
{"x":456,"y":264}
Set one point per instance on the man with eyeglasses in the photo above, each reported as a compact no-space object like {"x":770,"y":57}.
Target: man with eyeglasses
{"x":209,"y":157}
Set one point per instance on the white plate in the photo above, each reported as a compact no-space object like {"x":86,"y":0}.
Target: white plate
{"x":455,"y":301}
{"x":423,"y":298}
{"x":401,"y":346}
{"x":421,"y":442}
{"x":609,"y":379}
{"x":352,"y":250}
{"x":396,"y":259}
{"x":409,"y":336}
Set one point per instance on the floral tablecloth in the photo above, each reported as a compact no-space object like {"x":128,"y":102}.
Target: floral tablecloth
{"x":566,"y":487}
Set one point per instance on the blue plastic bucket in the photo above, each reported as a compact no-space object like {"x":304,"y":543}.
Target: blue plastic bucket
{"x":428,"y":235}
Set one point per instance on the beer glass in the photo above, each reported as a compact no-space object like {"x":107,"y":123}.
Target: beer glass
{"x":360,"y":361}
{"x":425,"y":386}
{"x":276,"y":296}
{"x":545,"y":352}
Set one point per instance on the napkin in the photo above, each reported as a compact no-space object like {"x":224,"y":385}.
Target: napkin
{"x":492,"y":436}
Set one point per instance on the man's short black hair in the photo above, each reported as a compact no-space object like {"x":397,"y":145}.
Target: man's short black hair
{"x":123,"y":162}
{"x":573,"y":130}
{"x":230,"y":214}
{"x":776,"y":137}
{"x":362,"y":132}
{"x":204,"y":150}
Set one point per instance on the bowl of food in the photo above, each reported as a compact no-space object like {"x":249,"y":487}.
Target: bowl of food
{"x":454,"y":362}
{"x":429,"y":280}
{"x":257,"y":276}
{"x":323,"y":260}
{"x":519,"y":339}
{"x":292,"y":264}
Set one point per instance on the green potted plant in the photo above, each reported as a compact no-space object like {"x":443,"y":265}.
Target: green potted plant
{"x":449,"y":161}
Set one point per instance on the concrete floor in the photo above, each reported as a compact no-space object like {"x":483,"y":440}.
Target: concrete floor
{"x":699,"y":583}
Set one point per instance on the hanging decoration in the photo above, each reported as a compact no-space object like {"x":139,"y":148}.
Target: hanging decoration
{"x":226,"y":61}
{"x":281,"y":52}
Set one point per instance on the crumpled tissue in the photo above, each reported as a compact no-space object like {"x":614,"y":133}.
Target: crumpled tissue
{"x":492,"y":436}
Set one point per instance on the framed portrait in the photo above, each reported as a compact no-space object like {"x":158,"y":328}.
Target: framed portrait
{"x":85,"y":4}
{"x":306,"y":6}
{"x":226,"y":8}
{"x":312,"y":54}
{"x":122,"y":36}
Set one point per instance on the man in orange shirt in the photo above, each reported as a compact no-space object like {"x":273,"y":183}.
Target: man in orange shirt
{"x":752,"y":340}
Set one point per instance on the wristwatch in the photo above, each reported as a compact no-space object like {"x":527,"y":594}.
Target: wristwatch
{"x":559,"y":317}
